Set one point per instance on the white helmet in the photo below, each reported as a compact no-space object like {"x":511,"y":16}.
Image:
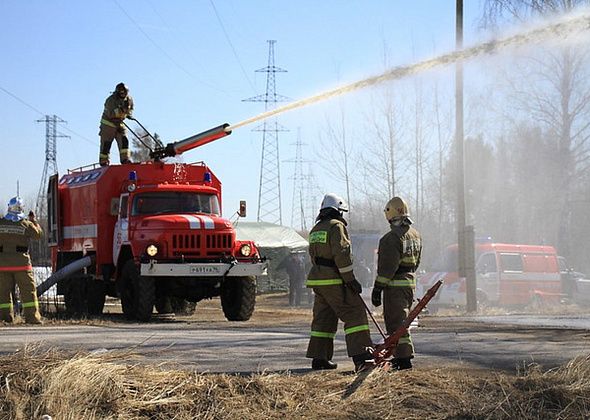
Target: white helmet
{"x":15,"y":210}
{"x":335,"y":202}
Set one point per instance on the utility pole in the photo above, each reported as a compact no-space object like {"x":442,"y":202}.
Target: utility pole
{"x":269,"y":190}
{"x":465,"y":234}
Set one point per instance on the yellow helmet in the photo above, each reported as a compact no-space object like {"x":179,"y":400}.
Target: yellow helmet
{"x":396,"y":207}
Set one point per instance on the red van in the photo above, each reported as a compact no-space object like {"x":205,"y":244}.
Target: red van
{"x":507,"y":274}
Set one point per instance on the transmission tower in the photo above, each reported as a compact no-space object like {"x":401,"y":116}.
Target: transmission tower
{"x":299,"y":200}
{"x":50,"y":167}
{"x":269,"y":190}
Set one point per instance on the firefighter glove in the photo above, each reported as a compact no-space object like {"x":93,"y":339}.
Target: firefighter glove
{"x":376,"y":296}
{"x":355,"y":286}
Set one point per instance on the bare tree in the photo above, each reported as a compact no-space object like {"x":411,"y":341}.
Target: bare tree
{"x":142,"y":145}
{"x":338,"y":152}
{"x":554,"y":91}
{"x":523,"y":10}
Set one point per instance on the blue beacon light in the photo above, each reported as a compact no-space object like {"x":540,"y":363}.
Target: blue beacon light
{"x":207,"y":177}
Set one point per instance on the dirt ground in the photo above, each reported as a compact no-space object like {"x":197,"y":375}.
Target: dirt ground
{"x":202,"y":366}
{"x":498,"y":364}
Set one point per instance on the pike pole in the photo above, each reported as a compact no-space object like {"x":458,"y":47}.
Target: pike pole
{"x":383,"y":351}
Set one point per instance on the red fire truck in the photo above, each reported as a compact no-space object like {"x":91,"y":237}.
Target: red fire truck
{"x":152,"y":234}
{"x":506,"y":275}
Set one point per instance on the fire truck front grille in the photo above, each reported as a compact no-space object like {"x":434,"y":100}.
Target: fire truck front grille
{"x":218,"y":243}
{"x":202,"y":244}
{"x":186,"y":244}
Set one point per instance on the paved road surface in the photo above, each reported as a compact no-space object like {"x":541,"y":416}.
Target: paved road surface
{"x":220,"y":346}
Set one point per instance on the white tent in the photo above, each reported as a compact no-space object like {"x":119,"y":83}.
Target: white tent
{"x":269,"y":235}
{"x":274,"y":242}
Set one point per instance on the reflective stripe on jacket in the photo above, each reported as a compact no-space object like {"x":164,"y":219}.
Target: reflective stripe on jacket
{"x":400,"y":251}
{"x":329,"y":241}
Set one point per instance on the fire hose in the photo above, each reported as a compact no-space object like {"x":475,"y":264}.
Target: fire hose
{"x":64,"y":272}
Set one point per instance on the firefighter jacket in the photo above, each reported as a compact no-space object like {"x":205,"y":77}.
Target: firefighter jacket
{"x":14,"y":244}
{"x":116,"y":109}
{"x":399,"y":257}
{"x":330,"y":252}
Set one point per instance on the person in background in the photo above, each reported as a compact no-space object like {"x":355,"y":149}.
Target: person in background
{"x":399,"y":255}
{"x":337,"y":292}
{"x":117,"y":107}
{"x":15,"y":262}
{"x":293,"y":264}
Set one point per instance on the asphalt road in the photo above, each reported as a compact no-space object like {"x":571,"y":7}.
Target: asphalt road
{"x":503,"y":343}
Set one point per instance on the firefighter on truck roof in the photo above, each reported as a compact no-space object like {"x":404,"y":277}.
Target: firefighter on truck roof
{"x":117,"y":107}
{"x":15,"y":262}
{"x":399,"y":256}
{"x":337,"y":292}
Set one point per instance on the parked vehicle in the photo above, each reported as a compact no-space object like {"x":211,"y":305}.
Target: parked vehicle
{"x":506,"y":275}
{"x":575,"y":285}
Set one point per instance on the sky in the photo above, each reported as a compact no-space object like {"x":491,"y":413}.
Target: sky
{"x":189,"y":65}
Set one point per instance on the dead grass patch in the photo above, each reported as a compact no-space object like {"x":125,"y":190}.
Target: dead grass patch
{"x":91,"y":386}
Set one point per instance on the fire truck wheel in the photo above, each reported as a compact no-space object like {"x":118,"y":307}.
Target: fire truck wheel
{"x":163,"y":305}
{"x":95,"y":296}
{"x":238,"y":298}
{"x":138,"y":293}
{"x":74,"y":294}
{"x":182,"y":306}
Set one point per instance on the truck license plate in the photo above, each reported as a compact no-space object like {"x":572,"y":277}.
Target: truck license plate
{"x":204,"y":269}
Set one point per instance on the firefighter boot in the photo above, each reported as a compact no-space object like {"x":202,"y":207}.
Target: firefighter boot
{"x":363,"y":362}
{"x":402,"y":363}
{"x":323,"y":364}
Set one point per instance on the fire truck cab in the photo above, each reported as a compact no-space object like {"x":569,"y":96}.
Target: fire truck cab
{"x":157,"y":238}
{"x":506,"y":275}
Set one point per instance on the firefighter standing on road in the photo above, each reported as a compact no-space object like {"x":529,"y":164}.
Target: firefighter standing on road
{"x":117,"y":107}
{"x":399,"y":256}
{"x":337,"y":292}
{"x":15,"y":262}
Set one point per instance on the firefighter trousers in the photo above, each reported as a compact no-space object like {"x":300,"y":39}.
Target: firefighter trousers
{"x":107,"y":135}
{"x":397,"y":302}
{"x":332,"y":303}
{"x":28,"y":296}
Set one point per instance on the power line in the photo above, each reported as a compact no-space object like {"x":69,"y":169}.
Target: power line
{"x":22,"y":101}
{"x":168,"y":56}
{"x":232,"y":46}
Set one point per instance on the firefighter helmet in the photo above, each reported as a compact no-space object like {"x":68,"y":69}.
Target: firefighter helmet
{"x":15,"y":209}
{"x":335,"y":202}
{"x":396,"y":207}
{"x":121,"y":87}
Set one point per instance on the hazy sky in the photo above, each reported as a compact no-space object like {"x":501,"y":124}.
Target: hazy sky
{"x":189,"y":64}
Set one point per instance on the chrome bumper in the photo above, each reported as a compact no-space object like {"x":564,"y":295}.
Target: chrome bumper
{"x":156,"y":269}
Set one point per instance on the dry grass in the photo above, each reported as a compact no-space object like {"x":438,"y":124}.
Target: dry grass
{"x":87,"y":386}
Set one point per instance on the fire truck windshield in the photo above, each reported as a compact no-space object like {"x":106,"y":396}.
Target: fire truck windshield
{"x":174,"y":203}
